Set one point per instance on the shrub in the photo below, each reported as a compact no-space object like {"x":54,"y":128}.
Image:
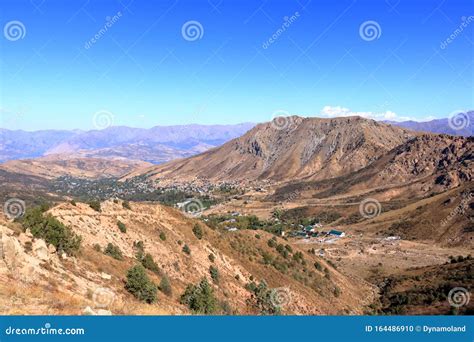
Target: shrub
{"x":73,"y":202}
{"x":272,"y":242}
{"x":318,"y":266}
{"x":200,"y":298}
{"x":48,"y":228}
{"x":150,"y":264}
{"x":122,"y":226}
{"x":186,"y":250}
{"x":140,"y":285}
{"x":95,"y":205}
{"x":261,"y":299}
{"x":97,"y":247}
{"x":211,"y":257}
{"x":126,"y":205}
{"x":165,"y":286}
{"x":140,"y":248}
{"x":113,"y":251}
{"x":214,"y":272}
{"x":197,"y":230}
{"x":162,"y":236}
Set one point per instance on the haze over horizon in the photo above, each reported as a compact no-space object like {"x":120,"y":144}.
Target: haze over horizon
{"x":229,"y":63}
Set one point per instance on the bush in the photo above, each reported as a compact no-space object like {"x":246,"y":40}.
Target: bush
{"x":48,"y":228}
{"x":197,"y":230}
{"x":162,"y":236}
{"x":122,"y":226}
{"x":140,"y":285}
{"x":211,"y":257}
{"x":318,"y":266}
{"x":272,"y":242}
{"x":95,"y":205}
{"x":200,"y":298}
{"x":214,"y":272}
{"x":261,"y":299}
{"x":73,"y":202}
{"x":150,"y":264}
{"x":186,"y":250}
{"x":140,"y":250}
{"x":165,"y":286}
{"x":113,"y":251}
{"x":126,"y":205}
{"x":97,"y":247}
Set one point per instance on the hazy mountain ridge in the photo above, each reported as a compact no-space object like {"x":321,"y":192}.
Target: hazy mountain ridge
{"x":466,"y":128}
{"x":162,"y":143}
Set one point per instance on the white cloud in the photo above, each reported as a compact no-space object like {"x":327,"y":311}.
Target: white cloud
{"x":335,"y":111}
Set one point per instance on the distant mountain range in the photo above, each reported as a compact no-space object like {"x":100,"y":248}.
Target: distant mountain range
{"x":158,"y":144}
{"x":465,"y":125}
{"x":155,"y":145}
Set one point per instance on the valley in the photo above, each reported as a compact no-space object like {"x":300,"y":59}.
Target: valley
{"x":343,"y":216}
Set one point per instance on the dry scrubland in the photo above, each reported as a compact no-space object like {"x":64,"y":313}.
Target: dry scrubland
{"x":45,"y":282}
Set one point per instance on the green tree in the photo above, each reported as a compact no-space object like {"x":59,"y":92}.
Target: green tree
{"x":47,"y":227}
{"x":261,"y":299}
{"x":186,"y":250}
{"x":113,"y":251}
{"x":200,"y":298}
{"x":214,"y":272}
{"x":122,"y":226}
{"x":197,"y":230}
{"x":126,"y":205}
{"x":95,"y":205}
{"x":162,"y":236}
{"x":140,"y":285}
{"x":165,"y":286}
{"x":150,"y":264}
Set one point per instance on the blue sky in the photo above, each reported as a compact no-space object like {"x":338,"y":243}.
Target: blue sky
{"x":144,"y":72}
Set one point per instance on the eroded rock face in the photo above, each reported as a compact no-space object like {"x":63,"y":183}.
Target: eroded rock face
{"x":40,"y":249}
{"x":12,"y":252}
{"x":16,"y":261}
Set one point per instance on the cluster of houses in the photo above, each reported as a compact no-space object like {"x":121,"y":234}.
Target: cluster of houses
{"x":316,"y":230}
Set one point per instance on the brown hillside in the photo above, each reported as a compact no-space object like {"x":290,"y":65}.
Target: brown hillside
{"x":306,"y":148}
{"x":51,"y":284}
